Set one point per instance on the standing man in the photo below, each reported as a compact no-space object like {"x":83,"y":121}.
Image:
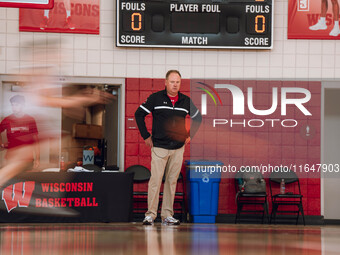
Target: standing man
{"x":321,"y":24}
{"x":169,"y":136}
{"x":21,"y":130}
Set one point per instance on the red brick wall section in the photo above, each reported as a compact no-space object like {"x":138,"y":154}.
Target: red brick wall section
{"x":240,"y":147}
{"x":247,"y":146}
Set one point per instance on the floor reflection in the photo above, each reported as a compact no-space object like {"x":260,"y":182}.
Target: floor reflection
{"x":204,"y":239}
{"x":133,"y":238}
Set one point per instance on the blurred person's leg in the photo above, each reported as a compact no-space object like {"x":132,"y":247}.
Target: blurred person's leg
{"x":67,"y":4}
{"x":46,"y":18}
{"x":321,"y":24}
{"x":336,"y":30}
{"x":18,"y":161}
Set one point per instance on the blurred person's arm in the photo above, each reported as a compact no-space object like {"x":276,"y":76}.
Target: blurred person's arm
{"x":2,"y":146}
{"x":1,"y":143}
{"x":36,"y":151}
{"x":2,"y":129}
{"x":85,"y":98}
{"x":33,"y":129}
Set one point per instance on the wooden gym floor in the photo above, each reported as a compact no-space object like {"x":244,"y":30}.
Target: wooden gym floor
{"x":133,"y":238}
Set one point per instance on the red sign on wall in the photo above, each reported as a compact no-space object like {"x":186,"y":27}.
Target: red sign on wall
{"x":309,"y":19}
{"x":40,"y":4}
{"x":78,"y":16}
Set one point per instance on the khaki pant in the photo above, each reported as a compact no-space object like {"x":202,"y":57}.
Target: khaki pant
{"x":170,"y":161}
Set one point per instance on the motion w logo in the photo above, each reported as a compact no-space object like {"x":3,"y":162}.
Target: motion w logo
{"x":18,"y":194}
{"x":88,"y":158}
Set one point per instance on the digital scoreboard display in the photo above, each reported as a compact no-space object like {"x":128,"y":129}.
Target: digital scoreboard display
{"x":195,"y":24}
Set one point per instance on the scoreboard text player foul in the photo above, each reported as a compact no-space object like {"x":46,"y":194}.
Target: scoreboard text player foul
{"x":195,"y":24}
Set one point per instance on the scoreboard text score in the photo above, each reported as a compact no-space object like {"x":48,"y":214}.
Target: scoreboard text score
{"x":200,"y":24}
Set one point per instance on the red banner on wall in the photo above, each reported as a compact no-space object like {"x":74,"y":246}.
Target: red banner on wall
{"x":39,"y":4}
{"x":76,"y":16}
{"x":309,"y":19}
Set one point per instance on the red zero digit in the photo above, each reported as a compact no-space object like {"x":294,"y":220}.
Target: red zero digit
{"x":133,"y":23}
{"x":257,"y":28}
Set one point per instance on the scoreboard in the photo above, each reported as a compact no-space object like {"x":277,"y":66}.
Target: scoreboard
{"x":195,"y":24}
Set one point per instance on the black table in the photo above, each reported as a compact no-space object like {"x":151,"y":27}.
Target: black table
{"x":50,"y":197}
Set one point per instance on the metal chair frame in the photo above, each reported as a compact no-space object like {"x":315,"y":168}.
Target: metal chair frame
{"x":142,"y":175}
{"x":287,"y":199}
{"x":244,"y":199}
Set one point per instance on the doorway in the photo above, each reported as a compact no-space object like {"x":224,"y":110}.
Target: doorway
{"x":331,"y":151}
{"x":108,"y":116}
{"x":95,"y":128}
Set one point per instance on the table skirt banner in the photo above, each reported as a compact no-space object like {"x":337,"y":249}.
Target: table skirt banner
{"x":68,"y":197}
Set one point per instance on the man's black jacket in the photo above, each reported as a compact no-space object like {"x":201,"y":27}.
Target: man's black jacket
{"x":168,"y":125}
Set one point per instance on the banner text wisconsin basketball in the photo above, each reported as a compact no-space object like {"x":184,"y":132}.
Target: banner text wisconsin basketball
{"x":69,"y":201}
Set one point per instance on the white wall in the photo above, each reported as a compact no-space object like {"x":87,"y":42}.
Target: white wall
{"x":96,"y":55}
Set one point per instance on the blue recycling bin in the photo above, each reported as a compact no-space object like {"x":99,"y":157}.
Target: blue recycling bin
{"x":203,"y":189}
